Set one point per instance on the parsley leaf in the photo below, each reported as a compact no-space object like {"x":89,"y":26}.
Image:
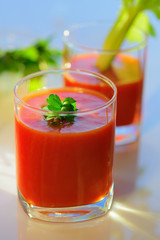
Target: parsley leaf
{"x":56,"y":105}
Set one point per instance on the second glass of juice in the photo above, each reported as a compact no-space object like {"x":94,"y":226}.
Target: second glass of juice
{"x":65,"y":168}
{"x":83,"y":44}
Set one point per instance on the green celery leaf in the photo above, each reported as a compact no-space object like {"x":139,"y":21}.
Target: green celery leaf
{"x":141,"y":22}
{"x":131,"y":12}
{"x":156,"y":11}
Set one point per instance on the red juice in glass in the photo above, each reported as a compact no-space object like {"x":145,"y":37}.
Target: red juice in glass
{"x":82,"y":47}
{"x":64,"y":172}
{"x":131,"y":91}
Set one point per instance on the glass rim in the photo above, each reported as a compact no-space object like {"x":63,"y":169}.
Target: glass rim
{"x":77,"y":26}
{"x":63,"y":70}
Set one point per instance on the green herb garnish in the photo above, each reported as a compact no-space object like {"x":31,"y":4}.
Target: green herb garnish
{"x":132,"y":14}
{"x":56,"y":105}
{"x":34,"y":58}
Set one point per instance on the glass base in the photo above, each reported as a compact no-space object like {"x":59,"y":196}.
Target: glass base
{"x":127,"y":134}
{"x":68,"y":214}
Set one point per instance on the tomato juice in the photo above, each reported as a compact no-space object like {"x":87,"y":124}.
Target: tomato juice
{"x":68,"y":165}
{"x":127,"y":75}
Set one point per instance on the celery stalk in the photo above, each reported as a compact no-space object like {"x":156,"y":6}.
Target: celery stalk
{"x":115,"y":38}
{"x":117,"y":34}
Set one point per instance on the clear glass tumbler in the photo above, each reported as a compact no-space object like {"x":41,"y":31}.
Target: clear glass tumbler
{"x":64,"y":168}
{"x":82,"y":46}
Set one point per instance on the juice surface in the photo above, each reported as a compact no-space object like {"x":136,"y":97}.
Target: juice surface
{"x":127,"y":75}
{"x":69,"y":165}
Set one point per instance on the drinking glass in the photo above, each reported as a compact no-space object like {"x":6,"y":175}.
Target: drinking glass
{"x":64,"y":169}
{"x":82,"y":46}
